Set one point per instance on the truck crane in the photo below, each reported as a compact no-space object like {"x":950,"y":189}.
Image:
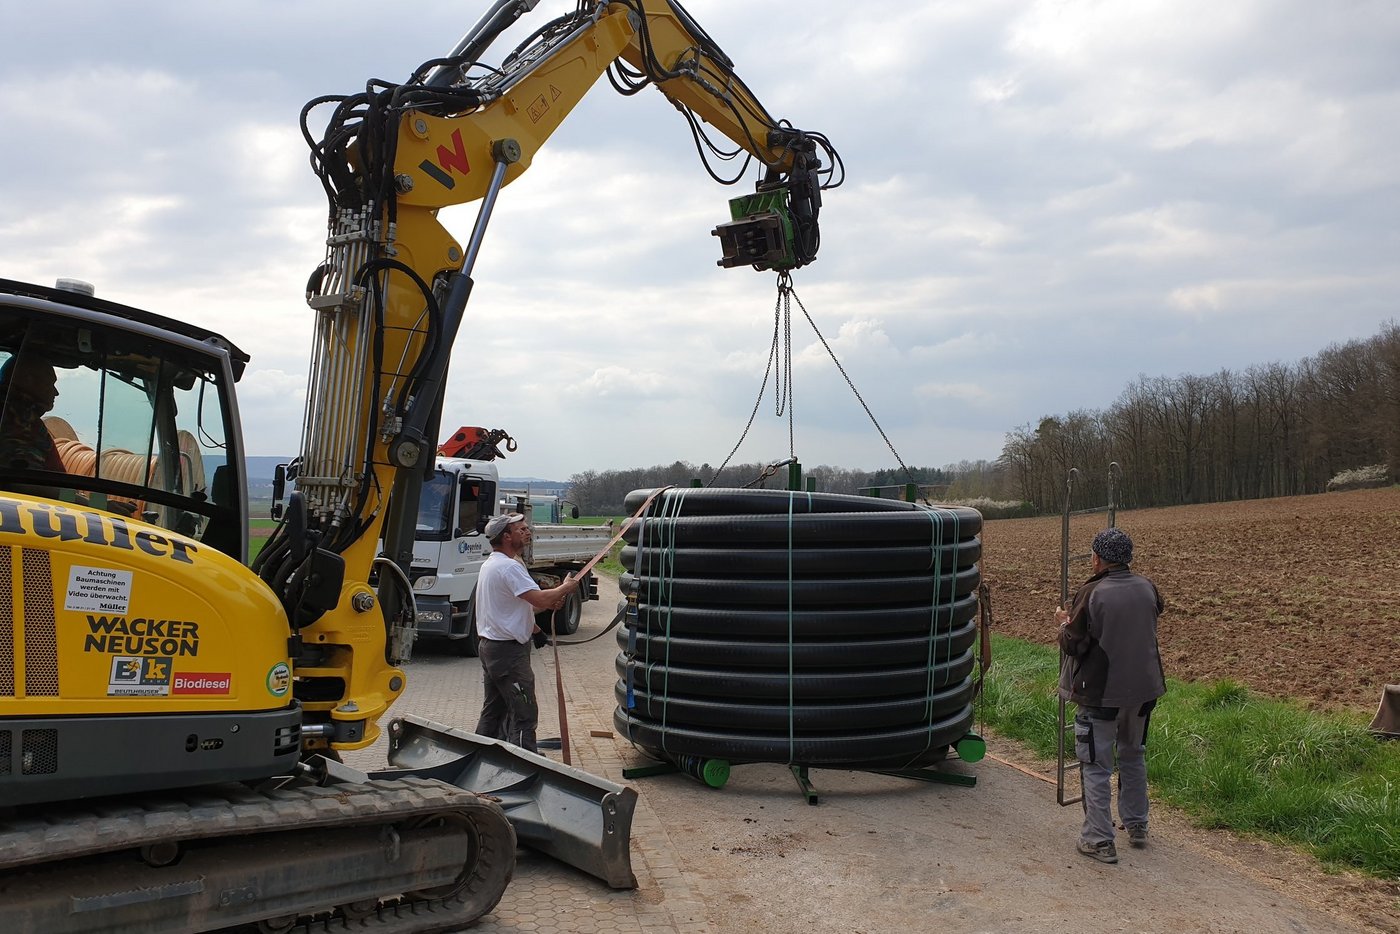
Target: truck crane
{"x":170,"y":715}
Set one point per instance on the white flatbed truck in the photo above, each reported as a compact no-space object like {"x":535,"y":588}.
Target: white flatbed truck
{"x":449,"y":549}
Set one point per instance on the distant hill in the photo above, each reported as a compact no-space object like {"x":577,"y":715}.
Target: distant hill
{"x":536,"y":485}
{"x":262,"y":468}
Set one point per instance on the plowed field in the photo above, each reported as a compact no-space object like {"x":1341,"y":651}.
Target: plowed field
{"x":1296,"y":597}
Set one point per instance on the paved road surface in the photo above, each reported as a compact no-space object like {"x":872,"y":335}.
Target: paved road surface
{"x":876,"y":854}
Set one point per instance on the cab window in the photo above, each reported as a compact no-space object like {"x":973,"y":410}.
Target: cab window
{"x":114,"y":420}
{"x":435,"y":508}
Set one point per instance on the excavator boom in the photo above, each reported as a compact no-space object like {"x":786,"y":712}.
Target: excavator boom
{"x":141,"y":656}
{"x":391,"y":294}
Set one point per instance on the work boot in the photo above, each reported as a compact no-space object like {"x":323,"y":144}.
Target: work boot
{"x":1104,"y":852}
{"x":1137,"y":836}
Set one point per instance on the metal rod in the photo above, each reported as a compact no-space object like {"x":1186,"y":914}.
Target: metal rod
{"x":478,"y":40}
{"x":931,"y":775}
{"x":1064,"y":537}
{"x":804,"y":783}
{"x":1115,"y":473}
{"x":1061,"y":770}
{"x":1060,"y":723}
{"x":483,"y":216}
{"x":647,"y":771}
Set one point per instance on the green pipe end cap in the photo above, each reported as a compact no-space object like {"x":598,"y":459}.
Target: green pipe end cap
{"x":971,"y":748}
{"x":715,"y":772}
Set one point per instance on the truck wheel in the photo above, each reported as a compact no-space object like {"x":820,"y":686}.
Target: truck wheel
{"x":466,"y":647}
{"x":565,"y":620}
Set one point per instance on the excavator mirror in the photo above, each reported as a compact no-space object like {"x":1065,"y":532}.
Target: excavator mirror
{"x":486,"y":503}
{"x":279,"y":489}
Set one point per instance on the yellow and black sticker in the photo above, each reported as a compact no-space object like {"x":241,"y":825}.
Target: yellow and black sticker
{"x":134,"y":676}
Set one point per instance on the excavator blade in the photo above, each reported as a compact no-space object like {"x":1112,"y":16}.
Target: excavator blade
{"x":581,"y":819}
{"x":1387,"y":721}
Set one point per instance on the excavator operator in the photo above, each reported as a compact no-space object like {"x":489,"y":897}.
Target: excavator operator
{"x":28,"y":392}
{"x":29,"y":389}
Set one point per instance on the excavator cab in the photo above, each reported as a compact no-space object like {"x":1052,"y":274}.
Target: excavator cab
{"x":100,"y":413}
{"x":136,"y":650}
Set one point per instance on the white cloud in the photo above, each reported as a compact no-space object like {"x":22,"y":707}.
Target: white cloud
{"x":1196,"y":298}
{"x":1168,"y":231}
{"x":951,"y":349}
{"x":954,"y":392}
{"x":267,"y":160}
{"x":273,"y":400}
{"x":1030,"y":182}
{"x":621,"y":384}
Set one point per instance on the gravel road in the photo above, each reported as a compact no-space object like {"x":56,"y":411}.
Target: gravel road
{"x":879,"y":854}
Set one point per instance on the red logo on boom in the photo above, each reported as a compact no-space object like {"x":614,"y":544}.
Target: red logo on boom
{"x":448,"y":160}
{"x":202,"y":682}
{"x":456,"y":157}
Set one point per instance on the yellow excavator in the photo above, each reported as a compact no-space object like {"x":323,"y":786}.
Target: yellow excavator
{"x":172,"y":716}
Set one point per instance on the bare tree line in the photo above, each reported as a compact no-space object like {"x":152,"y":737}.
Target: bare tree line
{"x":1273,"y":430}
{"x":601,"y":493}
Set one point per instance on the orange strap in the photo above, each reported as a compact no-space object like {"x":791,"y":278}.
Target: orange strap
{"x":563,"y":710}
{"x":620,"y":532}
{"x":559,"y":671}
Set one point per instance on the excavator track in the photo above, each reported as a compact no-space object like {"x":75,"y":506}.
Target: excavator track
{"x":401,"y":856}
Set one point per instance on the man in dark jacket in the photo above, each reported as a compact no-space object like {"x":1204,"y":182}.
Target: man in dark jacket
{"x":1113,"y":672}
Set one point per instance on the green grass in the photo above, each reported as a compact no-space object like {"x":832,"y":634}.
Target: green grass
{"x":256,"y":541}
{"x":1233,"y":760}
{"x":610,"y":564}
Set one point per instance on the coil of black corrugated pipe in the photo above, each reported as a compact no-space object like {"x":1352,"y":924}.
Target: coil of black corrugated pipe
{"x":811,"y":629}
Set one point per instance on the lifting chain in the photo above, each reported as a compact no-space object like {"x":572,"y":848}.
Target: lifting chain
{"x":780,"y":361}
{"x":768,"y":472}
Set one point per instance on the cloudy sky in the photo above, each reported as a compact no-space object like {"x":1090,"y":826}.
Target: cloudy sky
{"x":1044,"y":199}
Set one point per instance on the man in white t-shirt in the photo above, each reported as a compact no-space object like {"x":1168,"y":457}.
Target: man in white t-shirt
{"x":506,"y":601}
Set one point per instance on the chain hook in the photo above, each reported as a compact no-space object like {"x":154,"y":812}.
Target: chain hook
{"x":769,"y":471}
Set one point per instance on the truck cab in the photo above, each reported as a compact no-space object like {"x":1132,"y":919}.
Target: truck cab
{"x":450,"y":547}
{"x":544,"y":508}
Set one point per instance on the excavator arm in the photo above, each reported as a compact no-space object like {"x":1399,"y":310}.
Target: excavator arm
{"x":447,"y":159}
{"x":391,"y":294}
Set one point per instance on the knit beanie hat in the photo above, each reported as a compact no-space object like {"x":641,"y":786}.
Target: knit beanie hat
{"x":1114,"y":546}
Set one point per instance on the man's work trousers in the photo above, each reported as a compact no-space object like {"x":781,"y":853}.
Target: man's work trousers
{"x":1100,"y":735}
{"x":509,"y":711}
